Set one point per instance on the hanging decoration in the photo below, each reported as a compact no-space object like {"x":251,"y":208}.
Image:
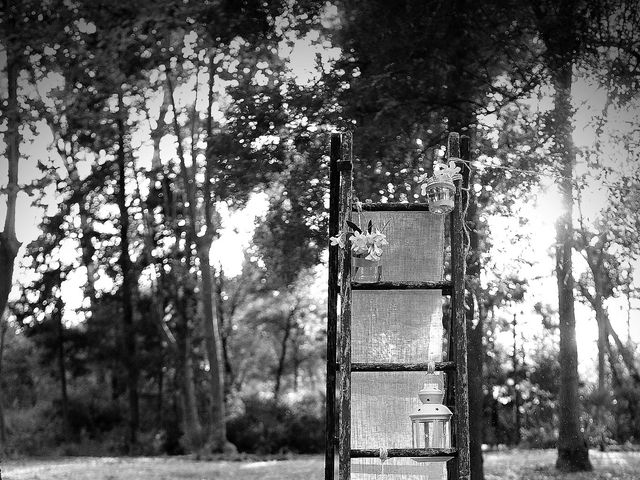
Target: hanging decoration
{"x":431,"y":421}
{"x":366,"y":248}
{"x":439,"y":188}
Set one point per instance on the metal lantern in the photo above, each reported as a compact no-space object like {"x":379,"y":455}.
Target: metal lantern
{"x":440,"y":189}
{"x":431,"y":421}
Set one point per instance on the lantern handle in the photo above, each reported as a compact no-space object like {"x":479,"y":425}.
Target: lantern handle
{"x":384,"y":455}
{"x":431,"y":367}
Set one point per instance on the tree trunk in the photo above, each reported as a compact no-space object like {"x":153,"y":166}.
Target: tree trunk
{"x":9,"y":244}
{"x":296,"y":360}
{"x":476,"y":397}
{"x":632,"y":407}
{"x":160,"y":397}
{"x":475,"y":350}
{"x":225,"y":330}
{"x":615,"y":379}
{"x":87,"y":252}
{"x":193,"y":432}
{"x":594,"y":256}
{"x":218,"y":433}
{"x":495,"y":422}
{"x":627,"y":356}
{"x":516,"y":383}
{"x":602,"y":335}
{"x":129,"y":342}
{"x":62,"y":369}
{"x":283,"y":351}
{"x":573,"y":454}
{"x":3,"y":428}
{"x":602,"y":405}
{"x":628,"y":296}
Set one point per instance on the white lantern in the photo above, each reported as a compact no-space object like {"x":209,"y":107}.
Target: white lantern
{"x":431,"y":421}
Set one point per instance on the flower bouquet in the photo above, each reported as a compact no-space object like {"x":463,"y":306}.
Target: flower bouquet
{"x":366,"y":250}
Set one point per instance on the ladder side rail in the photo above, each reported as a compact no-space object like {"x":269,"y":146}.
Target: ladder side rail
{"x":450,"y":393}
{"x":344,"y":338}
{"x":459,"y":468}
{"x":332,"y":307}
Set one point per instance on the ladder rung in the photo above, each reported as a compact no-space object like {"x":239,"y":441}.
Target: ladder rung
{"x":393,"y":207}
{"x":404,"y":452}
{"x":446,"y":287}
{"x":401,"y":367}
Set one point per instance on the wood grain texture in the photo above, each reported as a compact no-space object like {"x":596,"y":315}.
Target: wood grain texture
{"x":332,"y":307}
{"x":401,"y":367}
{"x":404,"y":452}
{"x":394,"y":207}
{"x":344,"y":343}
{"x":458,"y":334}
{"x":446,"y":287}
{"x":456,"y":364}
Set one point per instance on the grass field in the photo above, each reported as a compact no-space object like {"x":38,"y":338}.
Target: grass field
{"x":510,"y":465}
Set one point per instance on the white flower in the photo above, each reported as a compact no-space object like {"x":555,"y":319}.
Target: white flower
{"x":442,"y":173}
{"x":442,"y":169}
{"x":370,"y":237}
{"x":423,"y":177}
{"x":359,"y":243}
{"x":375,"y":253}
{"x":363,"y":244}
{"x":337,"y":240}
{"x":379,"y":239}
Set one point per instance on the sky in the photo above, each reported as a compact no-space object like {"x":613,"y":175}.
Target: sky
{"x":238,"y":226}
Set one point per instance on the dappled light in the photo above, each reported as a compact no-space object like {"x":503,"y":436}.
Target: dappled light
{"x":172,"y":284}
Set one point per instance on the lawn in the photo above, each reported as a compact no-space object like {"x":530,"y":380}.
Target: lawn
{"x":538,"y":465}
{"x":510,"y":465}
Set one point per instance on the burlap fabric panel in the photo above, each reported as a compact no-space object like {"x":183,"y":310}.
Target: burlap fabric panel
{"x":397,"y":326}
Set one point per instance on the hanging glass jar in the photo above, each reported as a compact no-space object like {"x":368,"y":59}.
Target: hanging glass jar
{"x":440,"y":189}
{"x":440,"y":197}
{"x":365,"y":250}
{"x":364,"y":270}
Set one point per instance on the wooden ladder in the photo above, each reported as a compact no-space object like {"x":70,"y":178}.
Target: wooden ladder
{"x":339,"y":365}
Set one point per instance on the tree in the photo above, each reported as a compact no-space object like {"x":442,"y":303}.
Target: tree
{"x":227,"y":45}
{"x":609,"y":247}
{"x":576,"y":33}
{"x":560,"y":32}
{"x":84,"y":62}
{"x":9,"y":244}
{"x":218,"y":437}
{"x":18,"y":38}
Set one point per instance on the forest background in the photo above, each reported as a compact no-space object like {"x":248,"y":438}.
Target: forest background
{"x":165,"y":189}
